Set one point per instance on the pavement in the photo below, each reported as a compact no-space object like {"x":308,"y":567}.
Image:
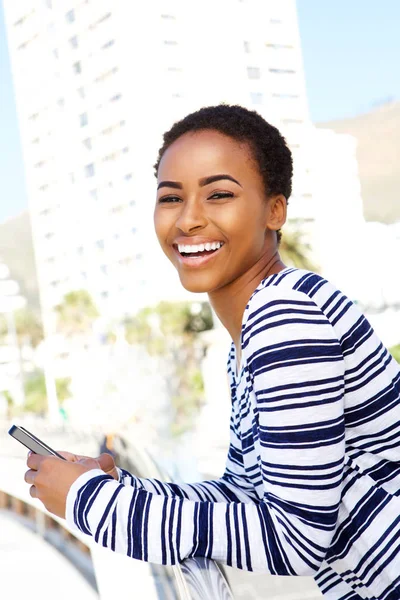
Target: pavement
{"x":31,"y":568}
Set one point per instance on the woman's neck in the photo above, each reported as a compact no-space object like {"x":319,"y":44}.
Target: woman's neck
{"x":230,"y":301}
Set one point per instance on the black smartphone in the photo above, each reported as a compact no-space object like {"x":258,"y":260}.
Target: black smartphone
{"x":32,"y":442}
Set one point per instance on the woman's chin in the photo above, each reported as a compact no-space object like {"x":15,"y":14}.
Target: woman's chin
{"x":196,"y":285}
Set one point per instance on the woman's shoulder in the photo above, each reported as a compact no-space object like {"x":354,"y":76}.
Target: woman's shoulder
{"x":293,"y":284}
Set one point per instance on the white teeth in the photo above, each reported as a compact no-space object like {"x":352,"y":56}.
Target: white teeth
{"x":193,"y":248}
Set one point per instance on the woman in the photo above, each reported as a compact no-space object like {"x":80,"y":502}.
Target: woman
{"x":313,"y":476}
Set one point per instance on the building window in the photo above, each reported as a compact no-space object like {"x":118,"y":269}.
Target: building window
{"x":116,"y":98}
{"x":285,"y":96}
{"x":61,"y":102}
{"x":48,"y":3}
{"x":256,"y":97}
{"x":55,"y":53}
{"x":168,"y":17}
{"x":73,"y":42}
{"x":283,"y":71}
{"x":83,"y":119}
{"x":80,"y":250}
{"x":70,"y":16}
{"x":128,"y":176}
{"x":174,"y":69}
{"x":106,"y":75}
{"x":170,"y":43}
{"x":89,"y":170}
{"x":81,"y":92}
{"x":93,"y":194}
{"x":292,"y":121}
{"x":108,"y":44}
{"x":77,"y":68}
{"x":132,"y":203}
{"x":253,"y":73}
{"x":275,"y":21}
{"x":71,"y":177}
{"x":133,"y":230}
{"x":177,"y":95}
{"x":104,"y":294}
{"x":49,"y":235}
{"x":246,"y":46}
{"x":279,"y":46}
{"x":125,"y":149}
{"x":100,"y":244}
{"x":87,"y":143}
{"x":103,"y":269}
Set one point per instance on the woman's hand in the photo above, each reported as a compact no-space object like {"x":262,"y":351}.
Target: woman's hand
{"x":51,"y":478}
{"x":106,"y":461}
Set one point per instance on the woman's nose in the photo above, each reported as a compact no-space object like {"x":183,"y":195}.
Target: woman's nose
{"x":192,"y":216}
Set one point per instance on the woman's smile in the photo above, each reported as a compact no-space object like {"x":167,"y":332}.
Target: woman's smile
{"x":212,"y":211}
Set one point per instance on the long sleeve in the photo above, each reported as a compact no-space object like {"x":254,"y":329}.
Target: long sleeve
{"x":291,"y":429}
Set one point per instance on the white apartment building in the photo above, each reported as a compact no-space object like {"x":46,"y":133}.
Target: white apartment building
{"x":96,"y":84}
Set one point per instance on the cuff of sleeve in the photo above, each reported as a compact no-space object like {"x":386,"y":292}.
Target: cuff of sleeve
{"x":73,"y":492}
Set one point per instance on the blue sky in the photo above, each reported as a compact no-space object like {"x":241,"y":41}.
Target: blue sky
{"x":351,"y":52}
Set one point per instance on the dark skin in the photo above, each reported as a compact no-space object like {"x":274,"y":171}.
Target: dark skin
{"x":238,"y":213}
{"x":210,"y":190}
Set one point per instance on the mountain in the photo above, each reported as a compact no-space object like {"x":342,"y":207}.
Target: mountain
{"x":378,"y":153}
{"x":16,"y":251}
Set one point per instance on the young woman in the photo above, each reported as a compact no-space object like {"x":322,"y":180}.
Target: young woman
{"x":312,"y":481}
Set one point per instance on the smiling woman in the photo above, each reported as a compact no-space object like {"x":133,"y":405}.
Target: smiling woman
{"x":311,"y":485}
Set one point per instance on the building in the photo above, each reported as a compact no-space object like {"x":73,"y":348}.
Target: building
{"x":96,"y":83}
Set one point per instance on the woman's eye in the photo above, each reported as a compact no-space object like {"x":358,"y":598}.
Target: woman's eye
{"x":167,"y":199}
{"x":219,"y":195}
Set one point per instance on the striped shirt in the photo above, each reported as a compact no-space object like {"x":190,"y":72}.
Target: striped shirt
{"x":312,"y":481}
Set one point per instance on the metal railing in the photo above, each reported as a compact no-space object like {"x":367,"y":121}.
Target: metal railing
{"x":194,"y":579}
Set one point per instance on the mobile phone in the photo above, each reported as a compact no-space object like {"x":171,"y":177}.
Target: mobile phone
{"x":32,"y":442}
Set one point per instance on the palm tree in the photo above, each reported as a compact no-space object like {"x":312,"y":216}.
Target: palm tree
{"x":295,"y":251}
{"x":28,"y":326}
{"x":76,"y":314}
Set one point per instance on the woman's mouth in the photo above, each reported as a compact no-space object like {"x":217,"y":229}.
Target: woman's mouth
{"x":197,"y":254}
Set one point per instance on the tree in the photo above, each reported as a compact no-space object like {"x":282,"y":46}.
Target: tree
{"x":294,"y":250}
{"x":28,"y":325}
{"x":172,"y":331}
{"x":76,"y":313}
{"x":395,"y":352}
{"x":36,"y":395}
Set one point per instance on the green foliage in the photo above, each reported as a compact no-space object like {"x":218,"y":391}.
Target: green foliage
{"x":76,"y":313}
{"x":36,"y":395}
{"x":395,"y":352}
{"x":295,"y":251}
{"x":172,"y":331}
{"x":28,"y":325}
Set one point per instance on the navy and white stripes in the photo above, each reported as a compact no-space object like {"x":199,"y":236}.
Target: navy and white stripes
{"x":312,"y":481}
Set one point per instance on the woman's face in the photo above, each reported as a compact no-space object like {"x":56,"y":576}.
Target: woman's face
{"x":212,"y":216}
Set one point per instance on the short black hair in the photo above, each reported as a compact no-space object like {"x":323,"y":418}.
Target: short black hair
{"x":268,"y":146}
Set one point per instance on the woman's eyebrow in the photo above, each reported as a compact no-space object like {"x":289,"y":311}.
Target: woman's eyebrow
{"x":204,"y":181}
{"x":214,"y":178}
{"x":172,"y":184}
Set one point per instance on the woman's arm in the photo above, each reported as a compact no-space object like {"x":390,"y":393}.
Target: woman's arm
{"x":297,"y":373}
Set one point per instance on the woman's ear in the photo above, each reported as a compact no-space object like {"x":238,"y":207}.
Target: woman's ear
{"x":276,"y":215}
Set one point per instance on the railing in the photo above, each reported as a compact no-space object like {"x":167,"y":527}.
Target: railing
{"x":194,"y":579}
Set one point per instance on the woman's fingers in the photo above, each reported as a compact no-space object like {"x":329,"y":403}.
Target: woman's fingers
{"x":107,"y":464}
{"x":29,"y":476}
{"x":69,"y":456}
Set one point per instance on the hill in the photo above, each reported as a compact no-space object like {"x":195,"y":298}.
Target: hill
{"x":378,"y":153}
{"x":16,"y":251}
